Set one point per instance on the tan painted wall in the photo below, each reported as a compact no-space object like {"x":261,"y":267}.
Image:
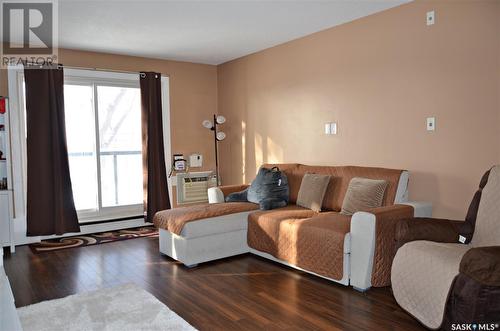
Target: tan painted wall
{"x":378,"y":77}
{"x":193,"y":95}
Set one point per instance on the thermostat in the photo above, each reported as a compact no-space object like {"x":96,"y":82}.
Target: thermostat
{"x":195,"y":160}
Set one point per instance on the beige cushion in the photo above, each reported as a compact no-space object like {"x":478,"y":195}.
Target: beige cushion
{"x":363,"y":194}
{"x":312,"y":191}
{"x":421,"y":277}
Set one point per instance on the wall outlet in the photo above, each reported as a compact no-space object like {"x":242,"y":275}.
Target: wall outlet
{"x":430,"y":17}
{"x":431,"y":124}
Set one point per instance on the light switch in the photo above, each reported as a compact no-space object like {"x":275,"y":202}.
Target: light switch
{"x":330,"y":128}
{"x":333,"y":128}
{"x":327,"y":128}
{"x":431,"y":123}
{"x":430,"y":17}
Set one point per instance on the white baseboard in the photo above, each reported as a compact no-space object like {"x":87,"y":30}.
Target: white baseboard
{"x":86,"y":229}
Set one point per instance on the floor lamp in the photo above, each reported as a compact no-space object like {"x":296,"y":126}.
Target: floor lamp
{"x":218,"y":136}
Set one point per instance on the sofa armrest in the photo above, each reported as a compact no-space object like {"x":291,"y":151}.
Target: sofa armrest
{"x":218,"y":194}
{"x":432,"y":229}
{"x":372,"y":244}
{"x":421,"y":208}
{"x":215,"y":195}
{"x":483,"y":265}
{"x":228,"y":189}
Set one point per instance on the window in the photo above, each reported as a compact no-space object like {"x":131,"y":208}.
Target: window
{"x":80,"y":136}
{"x":120,"y":144}
{"x":90,"y":97}
{"x":103,"y":130}
{"x":104,"y":139}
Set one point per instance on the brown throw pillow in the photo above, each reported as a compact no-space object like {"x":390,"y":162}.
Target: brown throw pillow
{"x":312,"y":191}
{"x":362,"y":194}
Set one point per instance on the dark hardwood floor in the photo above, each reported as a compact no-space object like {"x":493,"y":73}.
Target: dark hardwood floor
{"x":240,"y":293}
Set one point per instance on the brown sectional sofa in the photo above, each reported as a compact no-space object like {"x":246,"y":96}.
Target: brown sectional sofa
{"x":355,"y":250}
{"x":308,"y":240}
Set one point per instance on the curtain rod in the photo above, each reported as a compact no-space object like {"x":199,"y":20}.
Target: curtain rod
{"x":108,"y":70}
{"x":101,"y":69}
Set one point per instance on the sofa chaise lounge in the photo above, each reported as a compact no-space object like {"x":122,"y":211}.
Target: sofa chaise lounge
{"x":352,"y":250}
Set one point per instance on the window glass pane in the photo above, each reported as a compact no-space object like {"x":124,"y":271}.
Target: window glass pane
{"x":80,"y":135}
{"x":130,"y":190}
{"x":119,"y":118}
{"x":119,"y":114}
{"x":108,"y":181}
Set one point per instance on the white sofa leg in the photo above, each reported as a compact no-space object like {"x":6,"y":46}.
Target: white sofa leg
{"x":190,"y":266}
{"x":362,"y":290}
{"x":362,"y":250}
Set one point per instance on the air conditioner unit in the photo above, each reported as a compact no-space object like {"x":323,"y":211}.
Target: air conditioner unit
{"x":192,"y":187}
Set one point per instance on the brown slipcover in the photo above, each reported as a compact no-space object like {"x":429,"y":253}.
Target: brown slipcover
{"x":303,"y":238}
{"x":173,"y":220}
{"x":470,"y":302}
{"x":482,"y":264}
{"x":310,"y":240}
{"x":228,"y":189}
{"x":315,"y":241}
{"x":430,"y":229}
{"x":385,"y":229}
{"x":474,"y":296}
{"x":339,"y":182}
{"x":441,"y":230}
{"x":334,"y":196}
{"x":467,"y":228}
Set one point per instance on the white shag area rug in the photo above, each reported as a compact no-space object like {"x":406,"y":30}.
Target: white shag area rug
{"x":121,"y":308}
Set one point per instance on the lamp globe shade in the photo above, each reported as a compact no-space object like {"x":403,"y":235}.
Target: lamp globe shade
{"x":207,"y":124}
{"x":220,"y":119}
{"x":221,"y":136}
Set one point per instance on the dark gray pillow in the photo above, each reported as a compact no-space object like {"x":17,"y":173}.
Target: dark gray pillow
{"x":269,"y":189}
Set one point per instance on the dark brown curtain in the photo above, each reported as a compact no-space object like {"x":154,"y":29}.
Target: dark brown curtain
{"x":153,"y":155}
{"x":50,"y":206}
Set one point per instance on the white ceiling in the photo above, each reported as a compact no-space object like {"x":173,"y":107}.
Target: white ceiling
{"x":205,"y":31}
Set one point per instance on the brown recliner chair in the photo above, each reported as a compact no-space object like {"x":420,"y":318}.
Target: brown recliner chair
{"x":448,"y":272}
